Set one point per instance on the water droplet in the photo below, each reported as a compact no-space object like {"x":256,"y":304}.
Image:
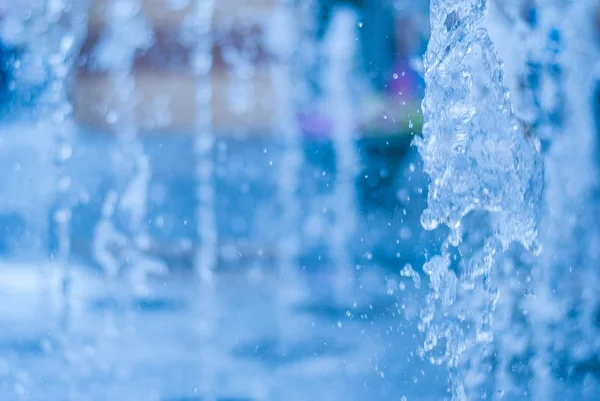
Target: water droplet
{"x":63,"y":184}
{"x":428,"y":221}
{"x":64,"y":152}
{"x":62,"y":216}
{"x":111,"y":117}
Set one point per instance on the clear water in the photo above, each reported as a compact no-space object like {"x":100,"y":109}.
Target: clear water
{"x":486,"y":166}
{"x":202,"y":266}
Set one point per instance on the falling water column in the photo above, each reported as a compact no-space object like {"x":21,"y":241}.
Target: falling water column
{"x":567,"y":271}
{"x":201,"y":19}
{"x":239,"y":57}
{"x":530,"y":42}
{"x":202,"y":60}
{"x":126,"y":33}
{"x":67,"y":26}
{"x":555,"y":100}
{"x":282,"y":41}
{"x":340,"y":46}
{"x":486,"y":180}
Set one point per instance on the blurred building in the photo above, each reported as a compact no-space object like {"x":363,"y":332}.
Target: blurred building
{"x":164,"y":79}
{"x":390,"y":35}
{"x":242,"y":91}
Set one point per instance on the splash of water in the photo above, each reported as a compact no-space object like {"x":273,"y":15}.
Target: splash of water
{"x":486,"y":179}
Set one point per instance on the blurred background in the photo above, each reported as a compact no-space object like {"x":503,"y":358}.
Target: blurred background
{"x":266,"y":144}
{"x":390,"y":36}
{"x":382,"y":77}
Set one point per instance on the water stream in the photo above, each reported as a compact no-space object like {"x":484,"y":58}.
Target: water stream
{"x":121,"y":240}
{"x":283,"y":73}
{"x":199,"y":26}
{"x":486,"y":179}
{"x":339,"y":88}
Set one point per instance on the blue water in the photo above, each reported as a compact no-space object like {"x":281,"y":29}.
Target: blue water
{"x":318,"y":347}
{"x":112,"y":345}
{"x":391,"y":195}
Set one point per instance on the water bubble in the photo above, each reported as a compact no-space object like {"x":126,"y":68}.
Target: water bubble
{"x":428,"y":220}
{"x":63,"y":184}
{"x":449,"y":287}
{"x":484,"y":336}
{"x":536,"y":247}
{"x":62,"y":216}
{"x":67,"y":43}
{"x":484,"y":333}
{"x":64,"y":152}
{"x":20,"y":390}
{"x":430,"y":341}
{"x":405,"y":233}
{"x":408,"y":271}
